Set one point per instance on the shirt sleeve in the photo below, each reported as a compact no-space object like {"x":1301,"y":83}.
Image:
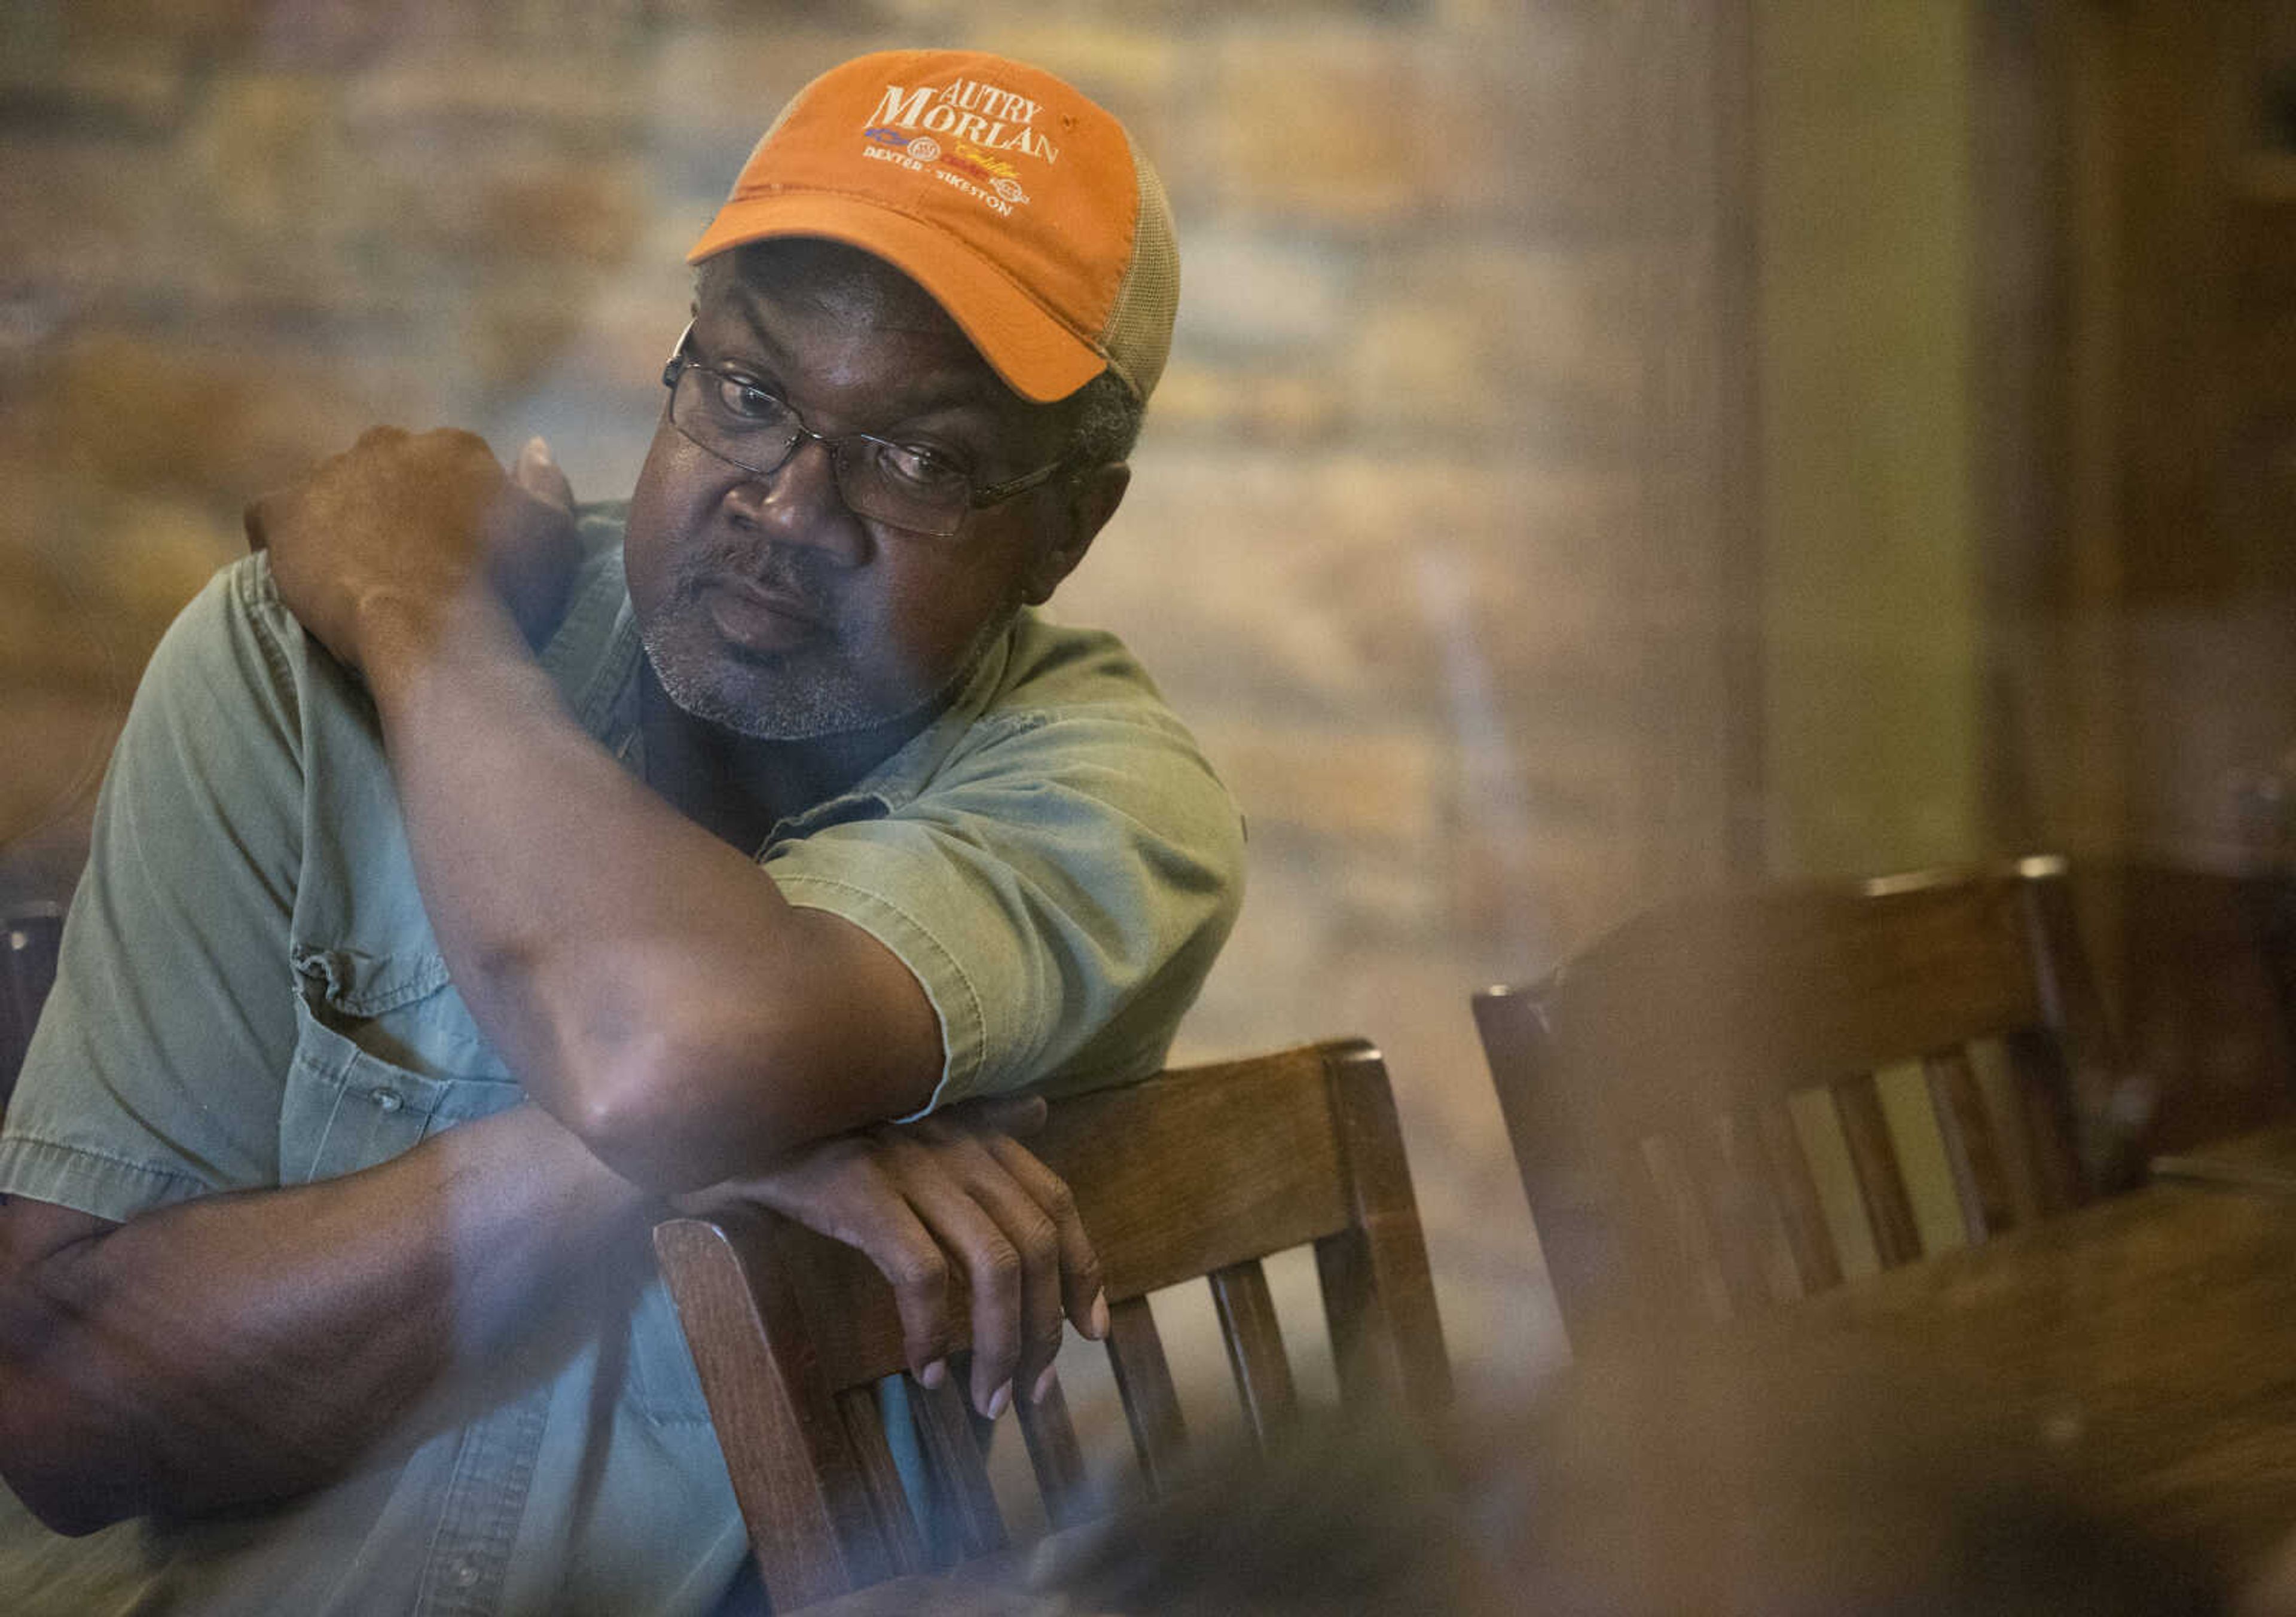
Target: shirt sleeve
{"x":157,"y":1069}
{"x":1059,"y":891}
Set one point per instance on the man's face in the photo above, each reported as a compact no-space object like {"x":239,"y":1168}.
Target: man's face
{"x":765,"y":604}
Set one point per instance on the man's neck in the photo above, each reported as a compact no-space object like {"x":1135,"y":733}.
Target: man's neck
{"x":739,"y":786}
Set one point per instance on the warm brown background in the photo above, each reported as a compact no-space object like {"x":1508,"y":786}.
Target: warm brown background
{"x":1611,"y":445}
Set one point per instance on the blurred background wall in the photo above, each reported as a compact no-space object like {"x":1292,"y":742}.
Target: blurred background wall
{"x":1610,"y":447}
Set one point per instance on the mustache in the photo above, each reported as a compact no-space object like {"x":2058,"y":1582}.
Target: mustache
{"x":803,"y":574}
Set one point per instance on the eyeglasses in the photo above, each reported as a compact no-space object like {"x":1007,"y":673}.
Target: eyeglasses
{"x":904,"y":485}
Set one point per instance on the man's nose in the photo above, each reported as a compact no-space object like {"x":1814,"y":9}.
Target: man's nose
{"x":798,"y":503}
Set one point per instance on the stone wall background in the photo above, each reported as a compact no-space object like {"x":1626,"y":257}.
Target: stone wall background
{"x":1446,"y":349}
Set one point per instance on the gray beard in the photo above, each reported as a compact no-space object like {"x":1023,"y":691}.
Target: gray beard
{"x":753,"y":702}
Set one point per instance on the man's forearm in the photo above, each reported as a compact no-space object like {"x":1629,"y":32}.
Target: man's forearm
{"x":243,"y":1347}
{"x":646,"y":982}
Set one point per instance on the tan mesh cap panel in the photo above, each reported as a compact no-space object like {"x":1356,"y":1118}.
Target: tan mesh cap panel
{"x":1138,"y":336}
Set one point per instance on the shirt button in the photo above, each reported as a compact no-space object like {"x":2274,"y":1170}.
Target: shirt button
{"x":465,"y":1572}
{"x":387,"y":1099}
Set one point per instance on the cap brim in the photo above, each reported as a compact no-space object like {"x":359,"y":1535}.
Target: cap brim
{"x":1040,"y":358}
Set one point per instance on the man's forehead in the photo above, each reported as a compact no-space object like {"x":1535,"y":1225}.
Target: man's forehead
{"x":809,"y":274}
{"x":765,"y":286}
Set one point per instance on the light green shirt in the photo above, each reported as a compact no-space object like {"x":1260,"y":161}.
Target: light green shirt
{"x":249,"y":995}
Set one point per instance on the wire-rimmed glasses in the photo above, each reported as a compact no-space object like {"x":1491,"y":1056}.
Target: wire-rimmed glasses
{"x":905,"y":486}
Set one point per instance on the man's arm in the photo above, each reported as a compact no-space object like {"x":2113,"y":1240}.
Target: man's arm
{"x":242,"y":1348}
{"x":669,"y":1006}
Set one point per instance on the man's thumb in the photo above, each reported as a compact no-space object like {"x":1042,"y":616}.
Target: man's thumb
{"x":540,"y":476}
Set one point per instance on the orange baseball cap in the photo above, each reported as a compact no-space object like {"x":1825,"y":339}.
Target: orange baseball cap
{"x":1021,"y":207}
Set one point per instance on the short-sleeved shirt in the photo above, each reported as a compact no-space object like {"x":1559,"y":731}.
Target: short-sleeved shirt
{"x":249,"y":995}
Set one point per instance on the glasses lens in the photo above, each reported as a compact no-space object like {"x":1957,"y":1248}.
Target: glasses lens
{"x":889,"y":484}
{"x":746,"y":425}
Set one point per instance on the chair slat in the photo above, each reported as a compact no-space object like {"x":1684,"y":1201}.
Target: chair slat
{"x":1741,"y":1226}
{"x":2075,"y":1048}
{"x":1746,"y":1150}
{"x":1255,"y":1349}
{"x":945,"y":1423}
{"x":777,"y":1424}
{"x":1888,"y":1210}
{"x":1374,"y":1272}
{"x":1980,"y":1182}
{"x":1152,"y":1404}
{"x":864,"y":1431}
{"x":2044,"y":1096}
{"x":1665,"y":1193}
{"x":1800,"y":1210}
{"x":1055,"y":1456}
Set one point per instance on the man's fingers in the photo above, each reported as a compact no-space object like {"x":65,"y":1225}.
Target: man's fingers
{"x":955,"y":1191}
{"x":989,"y":1123}
{"x":992,"y":1121}
{"x":1011,"y":1273}
{"x":906,"y":1253}
{"x":847,"y":1196}
{"x":533,"y":547}
{"x":1030,"y":1217}
{"x":1030,"y":1229}
{"x":1082,"y":1289}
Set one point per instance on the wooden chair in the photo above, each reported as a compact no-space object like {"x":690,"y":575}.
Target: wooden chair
{"x":1199,"y":1172}
{"x":1647,"y":1084}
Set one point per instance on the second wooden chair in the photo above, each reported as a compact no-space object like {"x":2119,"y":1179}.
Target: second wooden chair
{"x":1647,"y":1084}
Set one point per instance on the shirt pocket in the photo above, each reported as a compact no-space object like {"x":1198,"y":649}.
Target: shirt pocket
{"x":346,"y":1108}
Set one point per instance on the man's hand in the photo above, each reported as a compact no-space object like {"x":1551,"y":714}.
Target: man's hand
{"x":419,"y":524}
{"x":954,"y":1188}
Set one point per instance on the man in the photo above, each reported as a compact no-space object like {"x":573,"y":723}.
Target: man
{"x":409,"y":974}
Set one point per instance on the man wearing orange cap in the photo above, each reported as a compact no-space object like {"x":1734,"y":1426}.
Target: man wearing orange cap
{"x":605,"y":856}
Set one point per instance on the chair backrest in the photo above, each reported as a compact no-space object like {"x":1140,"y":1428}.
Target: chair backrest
{"x":1648,"y":1084}
{"x":1197,"y":1174}
{"x":29,"y":937}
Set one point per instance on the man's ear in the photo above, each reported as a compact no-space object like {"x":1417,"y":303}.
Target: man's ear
{"x":1089,"y":499}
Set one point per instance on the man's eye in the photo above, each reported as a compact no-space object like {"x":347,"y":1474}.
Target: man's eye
{"x":918,"y":466}
{"x":746,"y":402}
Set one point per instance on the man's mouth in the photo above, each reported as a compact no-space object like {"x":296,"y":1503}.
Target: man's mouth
{"x":786,"y":599}
{"x":764,"y":616}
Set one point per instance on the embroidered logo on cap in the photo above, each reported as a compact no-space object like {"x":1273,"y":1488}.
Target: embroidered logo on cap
{"x":980,"y":120}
